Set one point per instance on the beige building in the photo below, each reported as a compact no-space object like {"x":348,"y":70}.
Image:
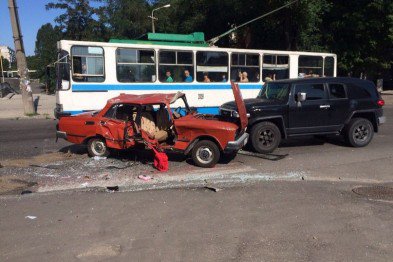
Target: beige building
{"x":8,"y":53}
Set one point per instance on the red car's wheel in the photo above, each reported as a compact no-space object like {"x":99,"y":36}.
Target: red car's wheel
{"x":205,"y":154}
{"x":97,"y":147}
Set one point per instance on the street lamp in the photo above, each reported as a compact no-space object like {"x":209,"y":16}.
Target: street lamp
{"x":154,"y":18}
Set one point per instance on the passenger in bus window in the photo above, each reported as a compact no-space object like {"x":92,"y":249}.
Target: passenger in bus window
{"x":239,"y":77}
{"x":187,"y":76}
{"x":80,"y":76}
{"x":224,"y":78}
{"x":270,"y":77}
{"x":206,"y":78}
{"x":169,"y":78}
{"x":244,"y":77}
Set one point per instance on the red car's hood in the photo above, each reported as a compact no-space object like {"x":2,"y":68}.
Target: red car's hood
{"x":241,"y":108}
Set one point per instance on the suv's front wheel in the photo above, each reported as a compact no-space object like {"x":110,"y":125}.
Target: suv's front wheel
{"x":265,"y":137}
{"x":359,"y":132}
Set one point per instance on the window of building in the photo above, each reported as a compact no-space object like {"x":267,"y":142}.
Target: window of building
{"x":173,"y":66}
{"x":329,"y":66}
{"x":135,"y":65}
{"x":310,"y":66}
{"x":337,"y":91}
{"x":248,"y":63}
{"x":275,"y":67}
{"x":313,"y":91}
{"x":212,"y":66}
{"x":87,"y":64}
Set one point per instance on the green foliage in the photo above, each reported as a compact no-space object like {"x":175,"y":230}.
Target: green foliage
{"x":126,"y":19}
{"x":360,"y":32}
{"x":6,"y":64}
{"x":45,"y":53}
{"x":77,"y":22}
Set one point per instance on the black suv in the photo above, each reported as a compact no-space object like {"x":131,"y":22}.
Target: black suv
{"x":312,"y":106}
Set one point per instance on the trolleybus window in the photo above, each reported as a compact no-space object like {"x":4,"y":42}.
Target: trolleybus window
{"x":310,"y":66}
{"x":248,"y":63}
{"x":62,"y":70}
{"x":212,"y":66}
{"x":135,"y":65}
{"x":173,"y":64}
{"x":275,"y":67}
{"x":329,"y":66}
{"x":87,"y":64}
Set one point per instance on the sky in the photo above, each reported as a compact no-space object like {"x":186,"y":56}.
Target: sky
{"x":32,"y":16}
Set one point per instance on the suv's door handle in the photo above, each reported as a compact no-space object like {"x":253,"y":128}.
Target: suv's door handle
{"x":324,"y":106}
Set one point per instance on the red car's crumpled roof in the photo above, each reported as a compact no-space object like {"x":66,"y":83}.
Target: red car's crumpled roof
{"x":146,"y":99}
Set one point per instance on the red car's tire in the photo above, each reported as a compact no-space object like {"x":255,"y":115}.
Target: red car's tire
{"x":97,"y":147}
{"x":205,"y":154}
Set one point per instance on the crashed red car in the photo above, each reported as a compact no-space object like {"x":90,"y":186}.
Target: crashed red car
{"x":128,"y":120}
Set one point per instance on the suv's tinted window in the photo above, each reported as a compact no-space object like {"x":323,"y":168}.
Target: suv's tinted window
{"x":337,"y":91}
{"x":358,"y":92}
{"x":313,"y":91}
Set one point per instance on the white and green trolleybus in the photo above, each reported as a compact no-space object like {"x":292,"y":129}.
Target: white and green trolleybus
{"x":90,"y":73}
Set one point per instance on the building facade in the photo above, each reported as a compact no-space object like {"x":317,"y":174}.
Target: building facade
{"x":8,"y":53}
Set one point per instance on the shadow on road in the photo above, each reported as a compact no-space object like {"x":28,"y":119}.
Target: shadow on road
{"x":313,"y":141}
{"x":139,"y":154}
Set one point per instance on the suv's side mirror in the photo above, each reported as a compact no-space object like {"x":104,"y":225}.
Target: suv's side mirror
{"x":301,"y":97}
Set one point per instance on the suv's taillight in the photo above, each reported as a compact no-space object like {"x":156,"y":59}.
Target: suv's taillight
{"x":381,"y":102}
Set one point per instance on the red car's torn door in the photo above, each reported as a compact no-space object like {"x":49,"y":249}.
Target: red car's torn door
{"x":113,"y":132}
{"x":241,"y":108}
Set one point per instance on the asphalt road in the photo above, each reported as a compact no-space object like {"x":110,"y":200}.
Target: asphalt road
{"x":28,"y":137}
{"x":318,"y":219}
{"x":271,"y":221}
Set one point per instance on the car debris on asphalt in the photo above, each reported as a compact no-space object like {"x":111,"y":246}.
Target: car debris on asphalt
{"x":145,"y":177}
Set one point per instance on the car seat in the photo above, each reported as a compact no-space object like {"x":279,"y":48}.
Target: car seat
{"x":163,"y":124}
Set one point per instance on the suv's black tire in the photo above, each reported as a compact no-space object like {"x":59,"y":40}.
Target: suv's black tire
{"x":359,"y":132}
{"x":97,"y":147}
{"x":265,"y":137}
{"x":205,"y":154}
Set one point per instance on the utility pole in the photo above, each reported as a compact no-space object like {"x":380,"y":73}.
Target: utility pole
{"x":27,"y":95}
{"x":1,"y":64}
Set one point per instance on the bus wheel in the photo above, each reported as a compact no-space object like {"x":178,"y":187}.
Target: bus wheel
{"x":205,"y":154}
{"x":97,"y":147}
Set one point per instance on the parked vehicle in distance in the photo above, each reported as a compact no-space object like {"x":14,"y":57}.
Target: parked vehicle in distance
{"x":312,"y":106}
{"x":129,"y":120}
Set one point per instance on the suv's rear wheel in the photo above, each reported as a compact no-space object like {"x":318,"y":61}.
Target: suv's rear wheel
{"x":97,"y":147}
{"x":265,"y":137}
{"x":205,"y":153}
{"x":359,"y":132}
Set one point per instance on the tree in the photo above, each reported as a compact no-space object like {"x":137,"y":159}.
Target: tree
{"x":125,"y":19}
{"x":77,"y":22}
{"x":45,"y":51}
{"x":360,"y":32}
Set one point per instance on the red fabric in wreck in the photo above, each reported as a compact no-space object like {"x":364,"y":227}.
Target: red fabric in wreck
{"x":161,"y":161}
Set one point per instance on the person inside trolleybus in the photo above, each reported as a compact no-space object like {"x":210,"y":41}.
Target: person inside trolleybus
{"x":187,"y":76}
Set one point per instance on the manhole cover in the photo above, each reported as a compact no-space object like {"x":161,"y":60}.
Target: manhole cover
{"x":376,"y":192}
